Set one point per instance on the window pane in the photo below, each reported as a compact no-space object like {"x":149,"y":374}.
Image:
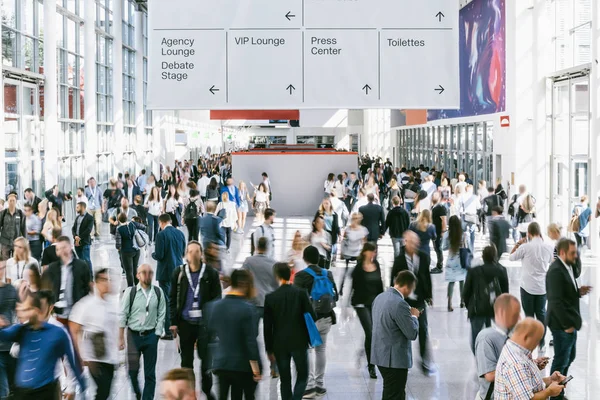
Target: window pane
{"x":9,"y":47}
{"x":29,"y":51}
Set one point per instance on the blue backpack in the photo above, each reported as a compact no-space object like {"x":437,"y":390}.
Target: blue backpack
{"x":322,"y":293}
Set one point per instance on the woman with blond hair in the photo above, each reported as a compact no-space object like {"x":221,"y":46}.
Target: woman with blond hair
{"x":294,"y":256}
{"x":52,"y":222}
{"x":16,"y":266}
{"x":425,"y":230}
{"x":243,"y":208}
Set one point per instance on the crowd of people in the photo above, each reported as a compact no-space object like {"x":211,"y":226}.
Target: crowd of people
{"x":48,"y":284}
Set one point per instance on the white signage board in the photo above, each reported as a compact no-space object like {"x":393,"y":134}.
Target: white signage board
{"x":303,"y":54}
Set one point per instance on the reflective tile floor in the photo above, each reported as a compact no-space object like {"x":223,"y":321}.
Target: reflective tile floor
{"x":346,"y":377}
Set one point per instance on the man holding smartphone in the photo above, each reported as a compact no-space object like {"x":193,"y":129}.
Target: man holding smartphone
{"x":564,"y":317}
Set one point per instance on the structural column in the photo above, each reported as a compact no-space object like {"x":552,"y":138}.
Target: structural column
{"x":2,"y":134}
{"x":91,"y":134}
{"x":51,"y":125}
{"x":119,"y":138}
{"x":140,"y":120}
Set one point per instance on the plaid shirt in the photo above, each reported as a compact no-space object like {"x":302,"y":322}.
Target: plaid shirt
{"x":517,"y":375}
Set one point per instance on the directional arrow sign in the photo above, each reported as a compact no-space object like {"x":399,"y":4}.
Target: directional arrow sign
{"x":440,"y":89}
{"x":366,"y":88}
{"x":291,"y":88}
{"x":440,"y":15}
{"x":213,"y":89}
{"x":289,"y":15}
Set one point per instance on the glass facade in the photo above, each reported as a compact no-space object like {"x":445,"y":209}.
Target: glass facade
{"x":572,"y":32}
{"x":129,"y":82}
{"x":457,"y":148}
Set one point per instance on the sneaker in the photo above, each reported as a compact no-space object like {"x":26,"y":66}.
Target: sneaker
{"x":310,"y":394}
{"x":436,"y":270}
{"x":321,"y":391}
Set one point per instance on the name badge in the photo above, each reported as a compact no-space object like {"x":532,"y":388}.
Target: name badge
{"x":195,"y":314}
{"x":195,"y":305}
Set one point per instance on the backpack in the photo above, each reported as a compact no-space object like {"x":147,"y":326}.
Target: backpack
{"x":132,"y":294}
{"x":252,"y":246}
{"x":575,"y":224}
{"x":485,"y":294}
{"x":140,"y":238}
{"x":191,"y":210}
{"x":511,"y":206}
{"x":322,"y":293}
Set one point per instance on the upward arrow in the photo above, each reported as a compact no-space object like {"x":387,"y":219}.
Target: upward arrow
{"x":289,"y":15}
{"x":440,"y":15}
{"x":366,"y":88}
{"x":291,"y":88}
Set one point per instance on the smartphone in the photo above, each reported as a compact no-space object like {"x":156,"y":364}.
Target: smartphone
{"x":421,"y":310}
{"x":566,"y":380}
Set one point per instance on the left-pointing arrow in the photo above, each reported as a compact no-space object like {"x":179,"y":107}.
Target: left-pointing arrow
{"x":291,"y":88}
{"x":213,"y":89}
{"x":289,"y":15}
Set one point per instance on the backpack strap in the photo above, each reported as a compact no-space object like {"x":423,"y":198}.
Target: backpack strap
{"x":132,"y":294}
{"x":311,"y":272}
{"x":179,"y":277}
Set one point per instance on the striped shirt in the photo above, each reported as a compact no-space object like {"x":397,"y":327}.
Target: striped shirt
{"x":517,"y":375}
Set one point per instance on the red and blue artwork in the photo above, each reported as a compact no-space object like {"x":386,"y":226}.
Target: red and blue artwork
{"x":482,"y":61}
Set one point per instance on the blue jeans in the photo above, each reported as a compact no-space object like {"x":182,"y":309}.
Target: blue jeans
{"x":83,"y":252}
{"x":477,"y":325}
{"x":409,"y":206}
{"x":534,"y":305}
{"x":397,"y":243}
{"x":148,"y":347}
{"x":565,"y":345}
{"x":7,"y":370}
{"x":152,"y":227}
{"x":166,"y":288}
{"x":284,"y":359}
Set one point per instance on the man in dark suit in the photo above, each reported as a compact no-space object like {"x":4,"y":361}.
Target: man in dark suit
{"x":373,"y":219}
{"x":395,"y":326}
{"x":31,"y":198}
{"x":82,"y":234}
{"x":563,"y":316}
{"x":168,"y":253}
{"x":72,"y":289}
{"x":57,"y":198}
{"x":499,"y":230}
{"x":286,"y":337}
{"x":414,"y":260}
{"x":132,"y":190}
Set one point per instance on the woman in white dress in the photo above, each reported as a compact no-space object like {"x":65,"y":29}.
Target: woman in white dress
{"x":329,"y":183}
{"x":353,"y":241}
{"x":321,"y":239}
{"x":17,"y":265}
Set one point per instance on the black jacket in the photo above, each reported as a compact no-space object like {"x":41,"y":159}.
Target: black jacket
{"x":360,"y":291}
{"x":499,"y":232}
{"x":284,"y":325}
{"x":480,"y":275}
{"x":373,"y":220}
{"x":210,"y":289}
{"x":35,"y":204}
{"x":81,"y":278}
{"x":305,"y":281}
{"x":335,"y":227}
{"x":424,"y":290}
{"x":563,"y":298}
{"x":397,"y":221}
{"x":490,"y":202}
{"x":85,"y":230}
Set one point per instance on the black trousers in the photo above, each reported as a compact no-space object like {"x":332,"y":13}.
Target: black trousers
{"x":49,"y":392}
{"x":242,"y":385}
{"x":102,"y":374}
{"x":192,"y":225}
{"x":394,"y":383}
{"x":284,"y":360}
{"x":129,"y":263}
{"x":365,"y":317}
{"x":437,"y":246}
{"x":196,"y":335}
{"x":227,"y":237}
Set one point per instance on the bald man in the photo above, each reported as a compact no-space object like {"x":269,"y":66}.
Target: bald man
{"x":490,"y":342}
{"x":418,"y":262}
{"x":517,"y":375}
{"x":143,"y":310}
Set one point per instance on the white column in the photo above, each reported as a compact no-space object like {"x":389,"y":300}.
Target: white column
{"x":51,"y":125}
{"x":119,"y":139}
{"x":2,"y":138}
{"x":139,"y":93}
{"x":91,"y":134}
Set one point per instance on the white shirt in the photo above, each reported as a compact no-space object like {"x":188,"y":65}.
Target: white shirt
{"x":16,"y":270}
{"x":202,"y":185}
{"x":469,"y":204}
{"x":536,"y":256}
{"x":363,"y":201}
{"x":81,"y":199}
{"x":104,"y":318}
{"x":230,"y":213}
{"x":570,"y":271}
